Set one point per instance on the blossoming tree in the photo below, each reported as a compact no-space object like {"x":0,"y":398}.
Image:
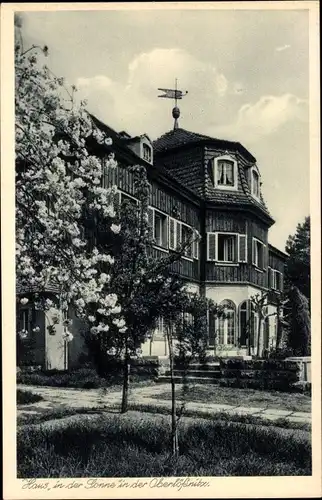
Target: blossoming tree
{"x":139,"y":280}
{"x":58,"y":189}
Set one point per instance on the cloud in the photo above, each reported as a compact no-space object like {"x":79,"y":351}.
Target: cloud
{"x":266,"y":116}
{"x":282,"y":48}
{"x":132,"y":104}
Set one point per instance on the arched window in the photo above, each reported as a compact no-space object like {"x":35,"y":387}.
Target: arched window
{"x":244,"y":324}
{"x":227,"y":324}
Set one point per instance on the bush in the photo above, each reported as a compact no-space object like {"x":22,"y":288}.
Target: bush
{"x":82,"y":378}
{"x":118,"y":447}
{"x":27,"y":397}
{"x":87,"y":377}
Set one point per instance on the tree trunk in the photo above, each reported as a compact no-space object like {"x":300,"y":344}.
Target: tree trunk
{"x":126,"y":383}
{"x":259,"y":336}
{"x":279,"y":330}
{"x":174,"y":430}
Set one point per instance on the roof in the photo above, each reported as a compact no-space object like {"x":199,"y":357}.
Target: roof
{"x":278,"y":252}
{"x":180,"y":137}
{"x":242,"y":196}
{"x":179,"y":176}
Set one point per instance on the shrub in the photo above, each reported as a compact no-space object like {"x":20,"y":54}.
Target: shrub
{"x":27,"y":397}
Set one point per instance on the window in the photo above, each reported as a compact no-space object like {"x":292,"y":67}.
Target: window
{"x":225,"y":173}
{"x":160,"y":229}
{"x":147,"y":152}
{"x":127,"y":198}
{"x":179,"y":234}
{"x":226,"y":324}
{"x":255,"y":184}
{"x":258,"y":254}
{"x":227,"y":247}
{"x":275,"y":279}
{"x":225,"y":170}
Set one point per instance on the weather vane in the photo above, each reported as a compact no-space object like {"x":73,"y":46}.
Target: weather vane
{"x":174,"y":94}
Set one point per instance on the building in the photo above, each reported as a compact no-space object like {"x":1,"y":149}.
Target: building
{"x":212,"y":186}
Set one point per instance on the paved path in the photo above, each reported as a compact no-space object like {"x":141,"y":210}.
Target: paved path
{"x":62,"y":398}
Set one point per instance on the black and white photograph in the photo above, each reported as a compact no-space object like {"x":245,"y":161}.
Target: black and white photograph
{"x":162,"y":293}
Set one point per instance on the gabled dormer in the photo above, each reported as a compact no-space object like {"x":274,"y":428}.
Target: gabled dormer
{"x":142,"y":146}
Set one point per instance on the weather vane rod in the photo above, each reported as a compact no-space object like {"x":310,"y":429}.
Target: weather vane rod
{"x":174,"y":94}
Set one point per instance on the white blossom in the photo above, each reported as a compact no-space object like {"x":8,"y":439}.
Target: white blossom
{"x":116,"y":228}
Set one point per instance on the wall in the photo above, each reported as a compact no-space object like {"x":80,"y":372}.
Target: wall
{"x":276,"y":262}
{"x":241,"y":223}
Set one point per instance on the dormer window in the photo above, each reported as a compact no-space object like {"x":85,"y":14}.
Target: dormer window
{"x":225,"y":170}
{"x":225,"y":173}
{"x":147,"y":152}
{"x":255,"y":185}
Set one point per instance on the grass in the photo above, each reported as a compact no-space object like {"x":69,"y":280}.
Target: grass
{"x":136,"y":445}
{"x":282,"y":423}
{"x":244,"y":397}
{"x":27,"y":397}
{"x":81,"y":378}
{"x":57,"y":414}
{"x":46,"y":415}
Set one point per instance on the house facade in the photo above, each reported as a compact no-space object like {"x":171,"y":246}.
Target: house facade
{"x":212,"y":187}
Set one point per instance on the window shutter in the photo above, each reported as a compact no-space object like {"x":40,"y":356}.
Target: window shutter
{"x":151,"y":222}
{"x":278,"y":280}
{"x":254,"y":251}
{"x":270,"y":277}
{"x":117,"y":201}
{"x":281,"y":282}
{"x":172,"y":234}
{"x":211,"y":246}
{"x":242,"y":251}
{"x":265,"y":257}
{"x":196,"y":245}
{"x":179,"y":234}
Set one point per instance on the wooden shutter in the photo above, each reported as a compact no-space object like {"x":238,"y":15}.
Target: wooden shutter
{"x":151,"y":222}
{"x":278,"y":280}
{"x":270,"y":277}
{"x":265,"y":257}
{"x":253,"y":251}
{"x":172,"y":234}
{"x":281,"y":282}
{"x":117,"y":201}
{"x":211,"y":246}
{"x":179,"y":234}
{"x":242,"y":248}
{"x":196,"y":245}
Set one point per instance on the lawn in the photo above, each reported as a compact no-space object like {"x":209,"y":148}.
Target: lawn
{"x":138,"y":445}
{"x":243,"y":397}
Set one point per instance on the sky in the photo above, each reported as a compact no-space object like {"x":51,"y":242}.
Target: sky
{"x":246,"y":72}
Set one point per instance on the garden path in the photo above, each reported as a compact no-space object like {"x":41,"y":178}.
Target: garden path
{"x":66,"y":398}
